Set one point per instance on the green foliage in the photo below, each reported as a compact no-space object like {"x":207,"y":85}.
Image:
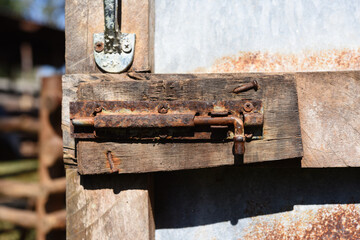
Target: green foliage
{"x":48,"y":11}
{"x":53,"y":10}
{"x":19,"y":170}
{"x":15,"y":6}
{"x":9,"y":231}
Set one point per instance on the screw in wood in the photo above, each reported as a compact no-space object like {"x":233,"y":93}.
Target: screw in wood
{"x":248,"y":107}
{"x":251,"y":85}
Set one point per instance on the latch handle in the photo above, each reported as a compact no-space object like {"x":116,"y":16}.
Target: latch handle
{"x":237,"y":122}
{"x":112,"y":40}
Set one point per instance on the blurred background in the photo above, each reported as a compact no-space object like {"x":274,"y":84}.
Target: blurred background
{"x":32,"y":183}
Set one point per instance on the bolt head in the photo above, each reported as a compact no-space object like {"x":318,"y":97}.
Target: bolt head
{"x":99,"y":46}
{"x":126,"y":46}
{"x":163,"y":108}
{"x":248,"y":107}
{"x":97,"y":110}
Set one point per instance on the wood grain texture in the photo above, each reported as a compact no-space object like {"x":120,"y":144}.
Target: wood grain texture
{"x":329,"y":113}
{"x":94,"y":209}
{"x":111,"y":207}
{"x":108,"y":207}
{"x":136,"y":16}
{"x":76,"y":34}
{"x":282,"y":137}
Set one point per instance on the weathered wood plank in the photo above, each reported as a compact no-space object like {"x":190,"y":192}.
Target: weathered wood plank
{"x":331,"y":103}
{"x":76,"y":32}
{"x":138,"y":158}
{"x":108,"y":207}
{"x":135,"y":18}
{"x":329,"y":113}
{"x":91,"y":207}
{"x":282,"y":137}
{"x":114,"y":207}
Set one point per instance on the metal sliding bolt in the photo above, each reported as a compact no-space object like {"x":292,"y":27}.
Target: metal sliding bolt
{"x":251,"y":85}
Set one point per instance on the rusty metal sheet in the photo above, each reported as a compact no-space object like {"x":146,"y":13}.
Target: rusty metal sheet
{"x":256,"y":36}
{"x":258,"y":204}
{"x":261,"y":36}
{"x":338,"y":221}
{"x":258,"y":61}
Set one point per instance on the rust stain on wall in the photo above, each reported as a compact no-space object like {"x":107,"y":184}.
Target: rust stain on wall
{"x":324,"y":60}
{"x":339,"y":222}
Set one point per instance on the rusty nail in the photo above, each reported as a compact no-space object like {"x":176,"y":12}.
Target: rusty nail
{"x":97,"y":110}
{"x":248,"y":107}
{"x":99,"y":46}
{"x":163,"y":108}
{"x":109,"y":158}
{"x":251,"y":85}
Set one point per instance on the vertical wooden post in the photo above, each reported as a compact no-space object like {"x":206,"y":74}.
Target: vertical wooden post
{"x":109,"y":206}
{"x":50,"y":154}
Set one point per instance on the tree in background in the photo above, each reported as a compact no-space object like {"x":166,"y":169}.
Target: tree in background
{"x":49,"y":12}
{"x":15,"y":6}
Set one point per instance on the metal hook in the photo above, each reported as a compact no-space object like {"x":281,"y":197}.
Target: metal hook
{"x":113,"y":50}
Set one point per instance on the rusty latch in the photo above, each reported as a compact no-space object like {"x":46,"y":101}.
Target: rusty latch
{"x":178,"y":120}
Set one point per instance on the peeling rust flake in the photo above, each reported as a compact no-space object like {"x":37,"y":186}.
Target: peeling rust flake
{"x":324,"y":60}
{"x":330,"y":222}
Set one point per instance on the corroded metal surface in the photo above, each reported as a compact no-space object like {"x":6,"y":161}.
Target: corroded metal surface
{"x":85,"y":109}
{"x":267,"y":36}
{"x":256,"y":36}
{"x":252,"y":85}
{"x":113,"y":50}
{"x":112,"y":41}
{"x":327,"y":222}
{"x":144,"y":121}
{"x":258,"y":61}
{"x":201,"y":118}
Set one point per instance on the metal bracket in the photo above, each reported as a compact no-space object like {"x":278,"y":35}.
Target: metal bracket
{"x":113,"y":50}
{"x":237,"y":120}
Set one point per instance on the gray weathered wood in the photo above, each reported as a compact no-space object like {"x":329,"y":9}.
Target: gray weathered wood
{"x":329,"y":113}
{"x":110,"y":207}
{"x":92,"y":204}
{"x":76,"y":25}
{"x":282,"y":139}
